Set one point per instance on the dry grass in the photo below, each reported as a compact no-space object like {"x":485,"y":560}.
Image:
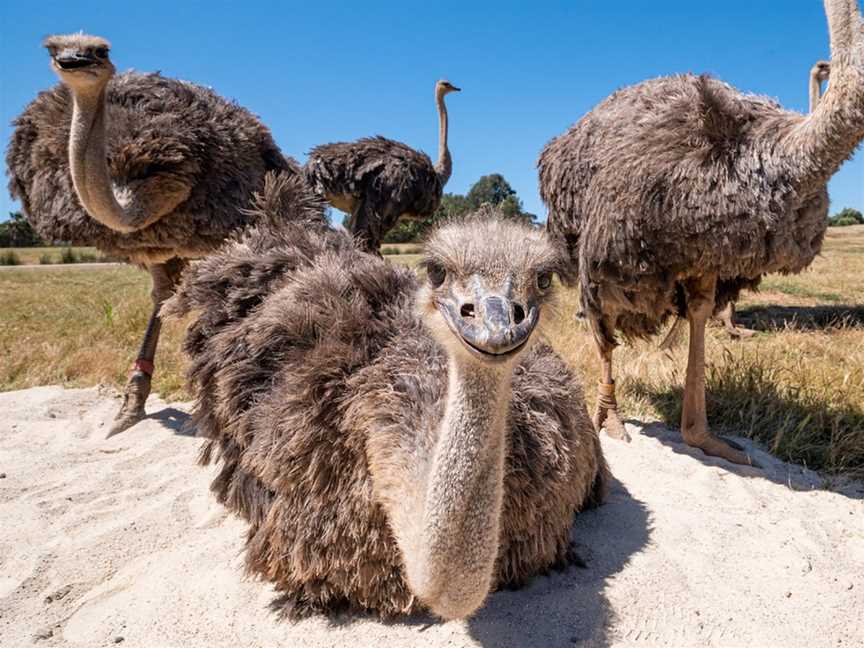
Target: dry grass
{"x":798,"y":386}
{"x":33,"y":255}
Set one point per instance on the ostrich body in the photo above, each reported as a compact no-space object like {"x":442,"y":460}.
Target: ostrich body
{"x":676,"y":193}
{"x":394,"y":444}
{"x":378,"y":181}
{"x":819,"y":73}
{"x":145,"y":168}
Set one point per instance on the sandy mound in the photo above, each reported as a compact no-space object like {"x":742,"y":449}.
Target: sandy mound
{"x":103,"y":539}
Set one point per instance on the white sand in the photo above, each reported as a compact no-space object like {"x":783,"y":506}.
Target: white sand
{"x":108,"y":538}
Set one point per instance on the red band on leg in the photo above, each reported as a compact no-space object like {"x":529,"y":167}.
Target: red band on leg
{"x":145,"y":366}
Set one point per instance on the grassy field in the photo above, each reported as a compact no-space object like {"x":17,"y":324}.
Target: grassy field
{"x":797,"y":386}
{"x":34,"y":255}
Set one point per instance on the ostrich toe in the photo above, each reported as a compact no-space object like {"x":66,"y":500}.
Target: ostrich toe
{"x":132,"y":410}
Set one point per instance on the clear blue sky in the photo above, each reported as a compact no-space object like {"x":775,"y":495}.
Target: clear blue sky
{"x":324,"y":71}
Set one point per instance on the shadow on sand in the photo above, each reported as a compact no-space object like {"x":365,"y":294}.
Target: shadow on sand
{"x":176,"y":420}
{"x":793,"y":476}
{"x":801,"y":318}
{"x":570,"y":608}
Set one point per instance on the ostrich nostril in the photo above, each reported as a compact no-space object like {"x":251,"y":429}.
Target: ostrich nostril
{"x":518,"y":313}
{"x":467,"y":310}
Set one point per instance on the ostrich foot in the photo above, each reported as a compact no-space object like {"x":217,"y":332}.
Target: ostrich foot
{"x":739,"y":333}
{"x":714,"y":446}
{"x":607,"y":413}
{"x":132,"y":410}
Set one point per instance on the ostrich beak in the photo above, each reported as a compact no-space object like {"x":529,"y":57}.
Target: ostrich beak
{"x":492,"y":325}
{"x":72,"y":60}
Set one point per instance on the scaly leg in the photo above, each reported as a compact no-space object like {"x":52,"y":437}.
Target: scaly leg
{"x":727,"y":316}
{"x":694,"y":419}
{"x":607,"y":407}
{"x":165,"y":277}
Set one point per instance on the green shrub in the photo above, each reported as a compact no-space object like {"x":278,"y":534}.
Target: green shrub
{"x":847,"y":216}
{"x":45,"y":259}
{"x":68,"y":255}
{"x":843,"y":222}
{"x":9,"y":258}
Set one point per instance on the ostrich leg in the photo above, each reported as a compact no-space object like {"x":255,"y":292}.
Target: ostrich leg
{"x":364,"y":226}
{"x":727,"y":317}
{"x":165,"y":277}
{"x":606,"y":413}
{"x":694,"y":419}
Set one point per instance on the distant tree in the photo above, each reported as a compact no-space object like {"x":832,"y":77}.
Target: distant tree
{"x":847,"y":216}
{"x":17,"y":232}
{"x":495,"y":190}
{"x":491,"y":189}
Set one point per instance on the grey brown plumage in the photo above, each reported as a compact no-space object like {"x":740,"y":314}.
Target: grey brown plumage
{"x":377,"y":181}
{"x":321,"y":390}
{"x":150,"y":169}
{"x":380,"y":178}
{"x":654,"y":184}
{"x":160,"y":130}
{"x":676,"y":193}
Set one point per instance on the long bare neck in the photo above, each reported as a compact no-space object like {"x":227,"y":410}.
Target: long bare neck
{"x":827,"y":137}
{"x":444,"y":165}
{"x":453,"y":541}
{"x":87,"y":160}
{"x":127,"y":210}
{"x":815,"y":90}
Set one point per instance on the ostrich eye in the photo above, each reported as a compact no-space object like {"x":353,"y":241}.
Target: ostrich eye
{"x":544,"y":280}
{"x":436,"y":274}
{"x":101,"y":52}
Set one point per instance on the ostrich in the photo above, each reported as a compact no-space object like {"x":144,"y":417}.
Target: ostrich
{"x":819,"y":73}
{"x":675,"y":193}
{"x":394,"y":444}
{"x":145,"y":168}
{"x":378,"y":181}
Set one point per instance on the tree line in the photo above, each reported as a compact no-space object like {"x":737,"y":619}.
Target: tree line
{"x":492,"y":189}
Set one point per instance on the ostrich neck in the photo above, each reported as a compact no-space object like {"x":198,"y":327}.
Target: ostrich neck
{"x":455,"y":544}
{"x":815,"y":91}
{"x":444,"y":165}
{"x":826,"y":138}
{"x":87,"y":160}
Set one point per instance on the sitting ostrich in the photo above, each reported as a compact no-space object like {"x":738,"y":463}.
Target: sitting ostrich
{"x":395,"y":444}
{"x":675,"y":193}
{"x":378,"y":181}
{"x":145,"y":168}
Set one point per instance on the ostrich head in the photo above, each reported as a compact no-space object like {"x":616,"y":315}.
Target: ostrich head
{"x":444,"y":87}
{"x":486,"y":280}
{"x":821,"y":70}
{"x":81,"y":61}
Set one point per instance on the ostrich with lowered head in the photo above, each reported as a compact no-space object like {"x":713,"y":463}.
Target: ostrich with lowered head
{"x":378,"y":181}
{"x":145,"y":168}
{"x":677,"y":192}
{"x":394,"y":443}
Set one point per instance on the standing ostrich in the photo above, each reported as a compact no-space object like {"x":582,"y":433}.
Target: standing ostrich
{"x":675,"y":193}
{"x":819,"y":73}
{"x":143,"y":167}
{"x":394,"y":444}
{"x":378,"y":181}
